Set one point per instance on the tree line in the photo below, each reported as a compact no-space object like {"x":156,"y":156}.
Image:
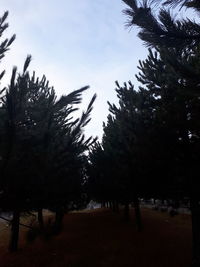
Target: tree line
{"x":151,"y":142}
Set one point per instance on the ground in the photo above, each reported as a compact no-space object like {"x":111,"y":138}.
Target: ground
{"x":101,"y":238}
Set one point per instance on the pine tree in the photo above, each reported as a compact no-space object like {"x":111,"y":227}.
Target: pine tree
{"x":163,"y":30}
{"x":177,"y":43}
{"x":4,"y":47}
{"x":42,"y":148}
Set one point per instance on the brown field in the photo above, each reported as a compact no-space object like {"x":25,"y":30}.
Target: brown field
{"x":102,"y":238}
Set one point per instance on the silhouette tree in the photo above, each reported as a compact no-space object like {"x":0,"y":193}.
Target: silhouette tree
{"x":163,"y":30}
{"x":42,"y":148}
{"x":4,"y":46}
{"x":177,"y":42}
{"x":97,"y":174}
{"x":135,"y":119}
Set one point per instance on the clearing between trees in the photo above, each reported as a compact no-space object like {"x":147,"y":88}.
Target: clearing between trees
{"x":102,"y":238}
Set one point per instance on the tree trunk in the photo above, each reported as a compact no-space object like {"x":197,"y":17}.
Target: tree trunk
{"x":14,"y":231}
{"x":195,"y":210}
{"x":117,"y":206}
{"x":103,"y":204}
{"x":126,"y":212}
{"x":114,"y":206}
{"x":58,"y":220}
{"x":138,"y":215}
{"x":40,"y":219}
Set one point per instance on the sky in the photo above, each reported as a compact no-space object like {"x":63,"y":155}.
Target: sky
{"x":75,"y":43}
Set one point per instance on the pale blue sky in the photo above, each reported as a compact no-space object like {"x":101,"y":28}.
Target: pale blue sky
{"x":75,"y":43}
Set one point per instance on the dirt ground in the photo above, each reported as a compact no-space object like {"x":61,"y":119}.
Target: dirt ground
{"x":101,"y":238}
